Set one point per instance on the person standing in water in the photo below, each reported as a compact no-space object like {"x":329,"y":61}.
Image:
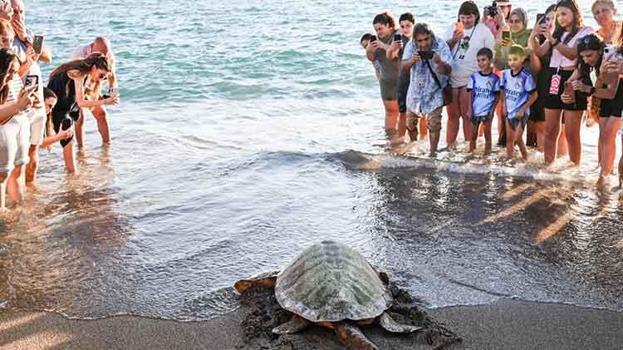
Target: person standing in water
{"x":93,"y":88}
{"x":466,"y":38}
{"x":562,"y":43}
{"x":68,"y":83}
{"x":389,"y":69}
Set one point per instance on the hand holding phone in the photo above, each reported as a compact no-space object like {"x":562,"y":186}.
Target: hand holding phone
{"x":426,"y":55}
{"x":37,"y":44}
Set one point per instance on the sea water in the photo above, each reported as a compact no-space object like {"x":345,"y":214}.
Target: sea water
{"x":249,"y":130}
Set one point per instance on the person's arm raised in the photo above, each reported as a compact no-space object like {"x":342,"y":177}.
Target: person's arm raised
{"x":84,"y":103}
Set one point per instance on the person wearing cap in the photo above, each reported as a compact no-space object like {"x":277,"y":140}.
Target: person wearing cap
{"x":495,"y":24}
{"x":99,"y":45}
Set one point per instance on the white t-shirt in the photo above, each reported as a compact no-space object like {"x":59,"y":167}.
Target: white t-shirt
{"x":558,"y":60}
{"x":464,"y":62}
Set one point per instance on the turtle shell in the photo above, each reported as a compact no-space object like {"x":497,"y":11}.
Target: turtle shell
{"x":332,"y":282}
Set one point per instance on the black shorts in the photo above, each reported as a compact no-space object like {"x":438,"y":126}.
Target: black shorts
{"x":516,"y":122}
{"x":554,"y":102}
{"x":614,"y":107}
{"x":476,"y":120}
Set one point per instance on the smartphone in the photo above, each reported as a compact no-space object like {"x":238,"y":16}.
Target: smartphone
{"x":506,"y":35}
{"x":30,"y":81}
{"x":426,"y":55}
{"x":37,"y":43}
{"x":540,"y":18}
{"x":373,"y":38}
{"x":397,"y":37}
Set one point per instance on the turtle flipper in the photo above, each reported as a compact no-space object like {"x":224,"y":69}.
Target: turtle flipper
{"x":296,"y":324}
{"x":266,"y":280}
{"x":390,"y":325}
{"x":351,"y":336}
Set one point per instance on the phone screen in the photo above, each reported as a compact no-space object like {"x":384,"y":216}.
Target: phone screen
{"x":506,"y":35}
{"x":37,"y":44}
{"x":31,"y":80}
{"x":397,"y":37}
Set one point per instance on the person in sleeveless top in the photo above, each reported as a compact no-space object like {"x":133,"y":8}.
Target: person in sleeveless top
{"x":389,"y":69}
{"x":68,"y":83}
{"x":558,"y":104}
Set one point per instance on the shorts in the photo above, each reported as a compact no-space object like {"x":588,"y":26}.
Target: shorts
{"x":403,"y":88}
{"x":433,"y":119}
{"x":389,"y":90}
{"x":554,"y":102}
{"x":516,"y":122}
{"x":476,"y":120}
{"x":37,"y":121}
{"x":614,"y":107}
{"x":14,"y":143}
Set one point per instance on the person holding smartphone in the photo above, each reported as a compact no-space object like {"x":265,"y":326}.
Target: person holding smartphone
{"x":93,"y":88}
{"x":428,"y":59}
{"x":68,"y":83}
{"x":30,"y":57}
{"x":389,"y":69}
{"x":562,"y":43}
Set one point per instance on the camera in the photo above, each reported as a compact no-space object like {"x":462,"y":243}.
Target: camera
{"x":426,"y":55}
{"x":491,"y":11}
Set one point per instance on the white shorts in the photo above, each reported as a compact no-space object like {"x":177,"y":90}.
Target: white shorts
{"x":14,"y":143}
{"x":37,"y":120}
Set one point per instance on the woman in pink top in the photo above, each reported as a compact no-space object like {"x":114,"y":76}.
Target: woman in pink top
{"x":558,"y":104}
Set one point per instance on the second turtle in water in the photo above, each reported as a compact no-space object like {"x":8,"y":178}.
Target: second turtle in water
{"x":331,"y":285}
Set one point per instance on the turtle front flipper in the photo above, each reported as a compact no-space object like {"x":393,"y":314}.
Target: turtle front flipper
{"x":351,"y":336}
{"x":390,"y":325}
{"x":265,"y":280}
{"x":296,"y":324}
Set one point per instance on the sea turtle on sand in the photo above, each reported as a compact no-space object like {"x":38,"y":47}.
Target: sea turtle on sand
{"x":333,"y":286}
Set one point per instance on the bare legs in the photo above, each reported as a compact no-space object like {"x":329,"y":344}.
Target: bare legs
{"x":33,"y":164}
{"x":69,"y":157}
{"x":515,"y":137}
{"x":573,"y":123}
{"x":15,"y":185}
{"x":391,"y":118}
{"x":458,"y":110}
{"x":487,"y":126}
{"x":608,"y":128}
{"x":101,"y":116}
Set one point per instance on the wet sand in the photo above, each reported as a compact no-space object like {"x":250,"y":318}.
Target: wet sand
{"x":508,"y":324}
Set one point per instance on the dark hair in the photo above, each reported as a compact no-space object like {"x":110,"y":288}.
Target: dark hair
{"x":366,"y":36}
{"x":470,"y":8}
{"x":423,"y":28}
{"x":385,"y":18}
{"x":590,"y":42}
{"x":485,"y":51}
{"x":83,"y":65}
{"x":407,"y":16}
{"x":577,"y":24}
{"x":7,"y":58}
{"x":47,"y":93}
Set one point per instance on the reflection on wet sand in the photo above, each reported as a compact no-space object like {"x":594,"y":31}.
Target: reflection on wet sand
{"x":60,"y":237}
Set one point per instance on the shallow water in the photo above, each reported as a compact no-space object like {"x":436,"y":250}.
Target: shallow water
{"x":248,"y":131}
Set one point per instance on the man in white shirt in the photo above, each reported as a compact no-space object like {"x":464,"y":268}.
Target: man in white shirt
{"x":99,"y":45}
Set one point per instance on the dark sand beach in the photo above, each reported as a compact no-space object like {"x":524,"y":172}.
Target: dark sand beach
{"x":507,"y":324}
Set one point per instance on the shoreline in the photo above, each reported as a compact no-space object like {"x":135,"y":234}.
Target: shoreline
{"x":508,"y":324}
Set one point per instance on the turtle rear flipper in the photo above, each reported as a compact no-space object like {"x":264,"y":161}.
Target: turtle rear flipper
{"x":351,"y":336}
{"x":296,"y":324}
{"x":265,"y":280}
{"x":390,"y":325}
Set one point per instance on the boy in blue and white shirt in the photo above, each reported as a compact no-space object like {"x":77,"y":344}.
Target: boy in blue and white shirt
{"x":518,"y":94}
{"x":484,"y":88}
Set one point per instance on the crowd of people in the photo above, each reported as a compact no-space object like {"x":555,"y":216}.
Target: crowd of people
{"x":33,"y":116}
{"x":542,"y":81}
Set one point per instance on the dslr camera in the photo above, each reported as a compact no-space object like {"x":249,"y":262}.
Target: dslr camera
{"x":491,"y":11}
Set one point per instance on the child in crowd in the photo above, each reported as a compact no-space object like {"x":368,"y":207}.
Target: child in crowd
{"x":484,"y":88}
{"x":364,"y":41}
{"x":49,"y":101}
{"x":518,"y":93}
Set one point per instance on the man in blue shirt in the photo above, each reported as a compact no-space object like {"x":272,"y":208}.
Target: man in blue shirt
{"x":426,"y":57}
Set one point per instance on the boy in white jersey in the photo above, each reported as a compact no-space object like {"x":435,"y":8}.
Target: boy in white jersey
{"x":484,"y":88}
{"x":518,"y":94}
